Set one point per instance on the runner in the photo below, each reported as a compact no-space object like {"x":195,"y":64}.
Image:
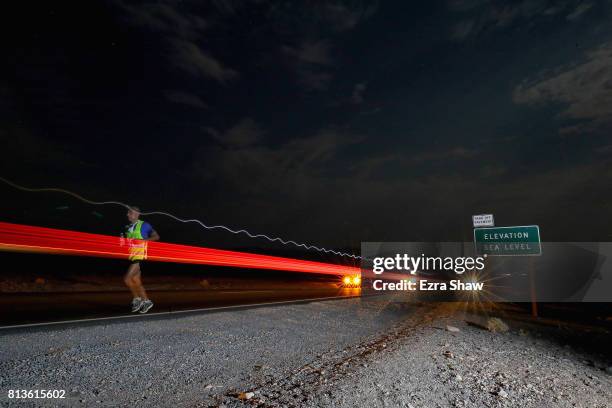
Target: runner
{"x":138,"y":232}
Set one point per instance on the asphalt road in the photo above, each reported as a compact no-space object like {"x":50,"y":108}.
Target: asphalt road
{"x":24,"y":308}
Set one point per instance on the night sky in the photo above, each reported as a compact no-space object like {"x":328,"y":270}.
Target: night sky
{"x":328,"y":122}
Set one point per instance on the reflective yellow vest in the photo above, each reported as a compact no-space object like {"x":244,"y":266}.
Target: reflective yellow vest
{"x":138,"y":248}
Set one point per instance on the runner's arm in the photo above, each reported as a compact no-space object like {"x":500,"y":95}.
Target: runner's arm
{"x":154,"y":236}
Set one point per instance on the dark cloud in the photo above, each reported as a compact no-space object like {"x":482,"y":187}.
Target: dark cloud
{"x":479,"y":16}
{"x":183,"y":30}
{"x":249,"y":165}
{"x":329,"y":17}
{"x":358,"y":91}
{"x":402,"y":162}
{"x":344,"y":16}
{"x":165,"y":17}
{"x":316,"y":53}
{"x":584,"y":88}
{"x":311,"y":55}
{"x":465,"y":5}
{"x":245,"y":133}
{"x":313,"y":79}
{"x":607,"y":149}
{"x":311,"y":63}
{"x":453,"y":153}
{"x":579,"y":11}
{"x":192,"y":59}
{"x":185,"y":98}
{"x":228,"y":6}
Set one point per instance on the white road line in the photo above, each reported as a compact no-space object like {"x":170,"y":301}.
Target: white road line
{"x":172,"y":312}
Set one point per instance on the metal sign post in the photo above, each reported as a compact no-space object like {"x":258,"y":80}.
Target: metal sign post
{"x":511,"y":241}
{"x":534,"y":303}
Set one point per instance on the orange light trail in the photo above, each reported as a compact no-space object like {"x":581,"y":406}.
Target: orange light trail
{"x":26,"y":238}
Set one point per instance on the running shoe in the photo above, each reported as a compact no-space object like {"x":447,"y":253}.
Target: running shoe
{"x":146,"y":306}
{"x":136,"y":304}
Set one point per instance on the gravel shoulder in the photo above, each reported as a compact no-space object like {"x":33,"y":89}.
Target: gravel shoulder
{"x":341,"y":353}
{"x":428,"y":365}
{"x":182,"y":361}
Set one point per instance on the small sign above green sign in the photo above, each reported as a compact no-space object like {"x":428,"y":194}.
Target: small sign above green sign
{"x":507,"y":241}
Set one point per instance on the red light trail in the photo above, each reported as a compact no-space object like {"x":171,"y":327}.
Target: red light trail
{"x":25,"y":238}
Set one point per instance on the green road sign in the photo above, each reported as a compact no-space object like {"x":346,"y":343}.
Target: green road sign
{"x":521,"y":241}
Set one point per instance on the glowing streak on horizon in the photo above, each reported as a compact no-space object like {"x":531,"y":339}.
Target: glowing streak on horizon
{"x":26,"y":238}
{"x":209,"y":227}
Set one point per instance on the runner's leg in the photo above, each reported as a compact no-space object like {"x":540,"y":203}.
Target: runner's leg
{"x":129,"y":279}
{"x":137,"y":281}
